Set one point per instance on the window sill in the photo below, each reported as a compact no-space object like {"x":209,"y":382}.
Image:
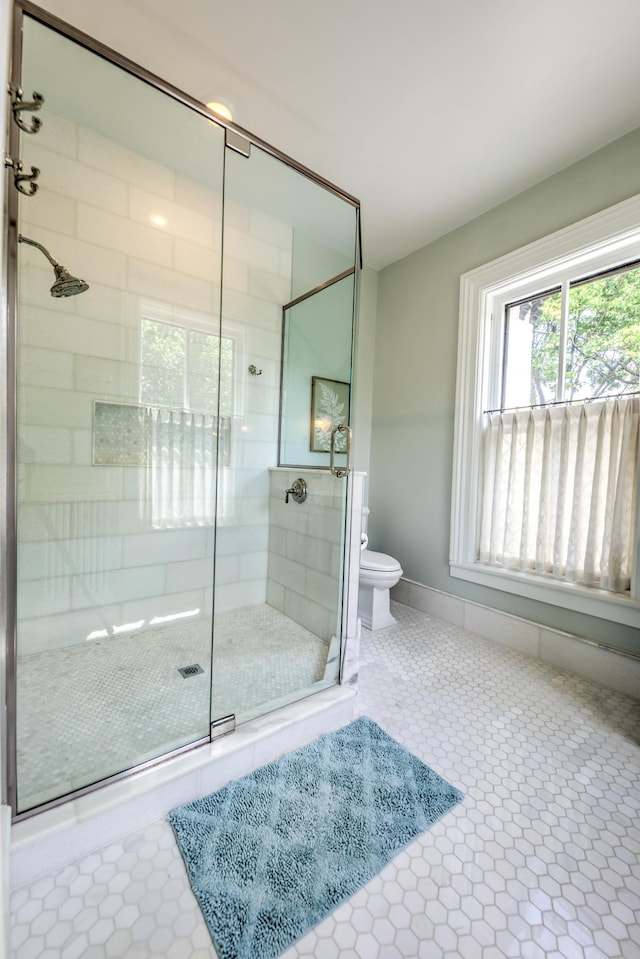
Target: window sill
{"x":581,"y":599}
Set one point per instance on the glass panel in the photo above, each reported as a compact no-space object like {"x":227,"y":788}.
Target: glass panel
{"x":603,"y":341}
{"x":532,"y":350}
{"x":162,"y":366}
{"x":117,"y":423}
{"x":278,"y":564}
{"x":316,"y":374}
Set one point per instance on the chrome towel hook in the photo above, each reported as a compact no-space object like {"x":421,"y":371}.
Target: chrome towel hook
{"x":18,"y":105}
{"x":20,"y":179}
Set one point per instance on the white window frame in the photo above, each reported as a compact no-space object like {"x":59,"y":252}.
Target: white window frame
{"x":191,"y":320}
{"x":605,"y":239}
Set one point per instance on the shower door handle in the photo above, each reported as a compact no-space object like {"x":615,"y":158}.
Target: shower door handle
{"x":339,"y":471}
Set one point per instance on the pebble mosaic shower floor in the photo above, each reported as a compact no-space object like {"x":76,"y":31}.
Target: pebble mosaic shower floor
{"x":88,"y":712}
{"x":540,"y":859}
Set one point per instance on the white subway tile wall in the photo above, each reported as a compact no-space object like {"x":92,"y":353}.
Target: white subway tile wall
{"x":88,"y":554}
{"x":305,"y":549}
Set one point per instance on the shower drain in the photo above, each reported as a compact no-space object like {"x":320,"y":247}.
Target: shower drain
{"x":187,"y":671}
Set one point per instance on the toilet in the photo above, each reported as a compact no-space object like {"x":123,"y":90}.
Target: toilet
{"x":378,"y":574}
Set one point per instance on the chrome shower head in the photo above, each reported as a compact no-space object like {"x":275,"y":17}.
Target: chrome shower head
{"x":65,"y":284}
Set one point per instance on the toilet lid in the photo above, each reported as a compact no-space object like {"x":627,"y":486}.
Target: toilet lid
{"x":369,"y":559}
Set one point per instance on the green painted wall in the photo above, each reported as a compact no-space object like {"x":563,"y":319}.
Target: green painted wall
{"x":415,"y":377}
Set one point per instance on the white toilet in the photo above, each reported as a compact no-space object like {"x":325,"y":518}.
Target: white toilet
{"x":378,"y":574}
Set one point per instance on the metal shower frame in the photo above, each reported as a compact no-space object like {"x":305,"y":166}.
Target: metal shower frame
{"x":8,"y":338}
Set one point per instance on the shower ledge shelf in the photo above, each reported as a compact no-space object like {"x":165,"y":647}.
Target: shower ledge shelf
{"x":48,"y":841}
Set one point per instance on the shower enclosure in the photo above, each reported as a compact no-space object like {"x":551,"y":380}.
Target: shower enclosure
{"x":165,"y":579}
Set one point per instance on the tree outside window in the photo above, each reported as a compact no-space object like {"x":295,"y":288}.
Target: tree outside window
{"x":182,"y":367}
{"x":594,"y":353}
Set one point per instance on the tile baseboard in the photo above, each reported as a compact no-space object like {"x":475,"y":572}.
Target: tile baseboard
{"x":583,"y":657}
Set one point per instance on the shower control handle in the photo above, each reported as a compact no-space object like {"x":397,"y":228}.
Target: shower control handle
{"x":298,"y":491}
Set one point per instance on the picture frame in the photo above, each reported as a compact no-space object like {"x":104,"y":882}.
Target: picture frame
{"x":329,"y":408}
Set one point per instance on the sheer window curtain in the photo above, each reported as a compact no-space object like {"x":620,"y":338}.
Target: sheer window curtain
{"x":559,"y":491}
{"x":181,"y":468}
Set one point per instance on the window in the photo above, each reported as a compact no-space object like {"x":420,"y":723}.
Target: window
{"x":577,"y":342}
{"x":545,"y":492}
{"x":179,"y":367}
{"x":184,"y":367}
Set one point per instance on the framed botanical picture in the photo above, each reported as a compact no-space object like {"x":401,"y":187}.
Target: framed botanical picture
{"x":329,"y":408}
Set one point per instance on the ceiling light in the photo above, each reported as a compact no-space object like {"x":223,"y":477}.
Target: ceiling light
{"x":220,"y":109}
{"x":158,"y":219}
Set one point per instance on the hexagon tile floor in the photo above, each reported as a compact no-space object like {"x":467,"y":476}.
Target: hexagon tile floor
{"x":541,"y":858}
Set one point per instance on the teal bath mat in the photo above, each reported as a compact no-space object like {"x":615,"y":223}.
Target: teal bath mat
{"x":272,"y":854}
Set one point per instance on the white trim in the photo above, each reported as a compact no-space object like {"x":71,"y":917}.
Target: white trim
{"x":581,"y":599}
{"x":598,"y":662}
{"x":612,"y":236}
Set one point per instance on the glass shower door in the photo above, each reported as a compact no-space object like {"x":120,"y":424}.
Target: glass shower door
{"x":118,"y":424}
{"x":287,"y":322}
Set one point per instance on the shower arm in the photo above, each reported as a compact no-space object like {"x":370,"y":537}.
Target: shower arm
{"x":65,"y":284}
{"x":39,"y":246}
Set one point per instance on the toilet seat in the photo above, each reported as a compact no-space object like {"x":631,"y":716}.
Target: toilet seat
{"x":373,"y":561}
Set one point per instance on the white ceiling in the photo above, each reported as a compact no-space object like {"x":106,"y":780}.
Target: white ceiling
{"x":428,"y":111}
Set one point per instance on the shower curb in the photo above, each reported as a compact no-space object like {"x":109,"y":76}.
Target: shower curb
{"x":50,"y":840}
